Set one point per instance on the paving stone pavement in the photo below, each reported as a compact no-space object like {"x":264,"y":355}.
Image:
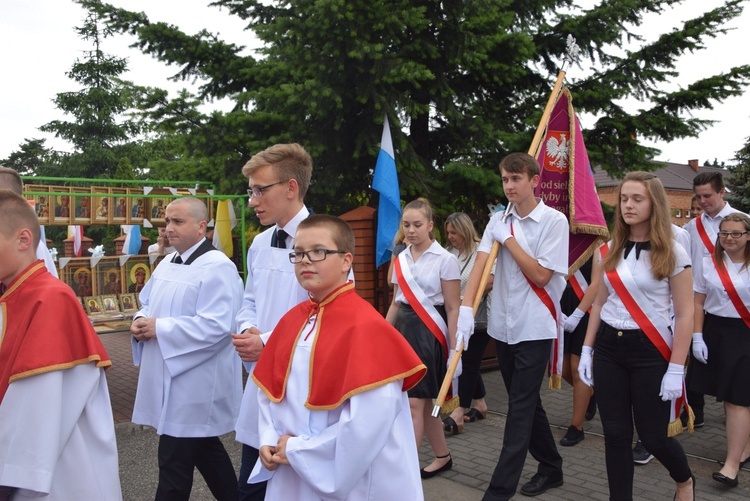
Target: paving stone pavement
{"x":474,"y":452}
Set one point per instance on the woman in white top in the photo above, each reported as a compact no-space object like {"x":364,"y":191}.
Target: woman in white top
{"x":433,"y":279}
{"x":463,"y":240}
{"x":721,"y":342}
{"x":637,"y":374}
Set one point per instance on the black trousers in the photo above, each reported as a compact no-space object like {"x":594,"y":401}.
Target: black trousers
{"x":178,"y":457}
{"x":628,"y":370}
{"x":470,"y":383}
{"x":250,"y":492}
{"x":523,"y":367}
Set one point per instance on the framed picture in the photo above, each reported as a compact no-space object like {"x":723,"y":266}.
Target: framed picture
{"x":119,"y":213}
{"x":82,"y":205}
{"x":128,"y":303}
{"x":93,"y":304}
{"x":109,"y":304}
{"x":101,"y":203}
{"x":109,"y":276}
{"x":39,"y":202}
{"x":137,"y":273}
{"x":159,"y":206}
{"x":79,"y":277}
{"x":137,"y":206}
{"x":62,"y":205}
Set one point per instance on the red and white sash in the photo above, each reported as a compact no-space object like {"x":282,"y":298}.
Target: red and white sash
{"x":707,"y":235}
{"x":579,"y":284}
{"x":419,"y":302}
{"x":652,"y":324}
{"x":554,"y":368}
{"x":426,"y":312}
{"x":731,"y":279}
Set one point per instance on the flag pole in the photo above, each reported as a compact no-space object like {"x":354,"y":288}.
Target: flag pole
{"x":533,"y":150}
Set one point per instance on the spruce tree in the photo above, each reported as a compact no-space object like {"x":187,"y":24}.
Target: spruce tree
{"x":463,"y":83}
{"x":99,"y":131}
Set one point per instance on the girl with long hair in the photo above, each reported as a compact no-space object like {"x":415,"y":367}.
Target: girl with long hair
{"x":722,"y":298}
{"x":462,"y":243}
{"x":638,"y":363}
{"x":426,"y":298}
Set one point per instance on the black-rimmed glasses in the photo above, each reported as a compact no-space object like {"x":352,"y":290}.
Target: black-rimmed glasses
{"x":733,"y":234}
{"x":313,"y":255}
{"x":257,"y":191}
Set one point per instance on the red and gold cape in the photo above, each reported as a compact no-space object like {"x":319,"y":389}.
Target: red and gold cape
{"x":355,"y":350}
{"x":44,"y":328}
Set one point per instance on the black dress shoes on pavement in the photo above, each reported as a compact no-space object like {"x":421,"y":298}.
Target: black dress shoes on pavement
{"x":447,"y":466}
{"x":540,"y":482}
{"x":721,"y":478}
{"x":572,"y":437}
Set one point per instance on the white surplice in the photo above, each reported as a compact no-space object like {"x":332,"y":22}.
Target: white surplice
{"x":362,"y":450}
{"x":190,"y":381}
{"x":60,"y":444}
{"x":271,"y":290}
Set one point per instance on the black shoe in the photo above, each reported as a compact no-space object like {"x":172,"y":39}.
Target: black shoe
{"x":699,"y":419}
{"x":723,"y":479}
{"x":591,"y":409}
{"x":429,"y":474}
{"x":539,"y":483}
{"x":640,"y":454}
{"x":572,"y":437}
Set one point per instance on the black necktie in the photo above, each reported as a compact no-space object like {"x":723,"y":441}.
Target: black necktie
{"x":280,"y":239}
{"x":177,"y":260}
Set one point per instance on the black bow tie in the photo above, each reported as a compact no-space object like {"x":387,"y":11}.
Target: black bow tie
{"x":639,"y":246}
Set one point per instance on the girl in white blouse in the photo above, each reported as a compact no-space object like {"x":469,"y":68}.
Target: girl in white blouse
{"x":721,"y":339}
{"x":637,"y":373}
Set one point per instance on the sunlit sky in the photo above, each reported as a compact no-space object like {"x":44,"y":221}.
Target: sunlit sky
{"x":40,"y":45}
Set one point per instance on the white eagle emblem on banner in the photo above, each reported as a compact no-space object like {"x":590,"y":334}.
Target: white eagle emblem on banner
{"x":557,"y":152}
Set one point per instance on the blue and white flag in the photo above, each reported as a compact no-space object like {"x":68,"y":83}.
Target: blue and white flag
{"x":132,"y":243}
{"x":385,"y":182}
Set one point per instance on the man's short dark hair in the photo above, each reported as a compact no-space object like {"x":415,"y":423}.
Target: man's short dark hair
{"x":715,"y":179}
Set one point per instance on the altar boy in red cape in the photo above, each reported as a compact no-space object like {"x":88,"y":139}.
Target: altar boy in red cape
{"x":57,"y":436}
{"x":334,"y":413}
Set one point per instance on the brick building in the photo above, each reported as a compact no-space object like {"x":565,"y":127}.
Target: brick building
{"x":676,"y":178}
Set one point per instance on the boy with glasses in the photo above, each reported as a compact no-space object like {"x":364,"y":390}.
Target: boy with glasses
{"x":334,"y":414}
{"x":278,"y":179}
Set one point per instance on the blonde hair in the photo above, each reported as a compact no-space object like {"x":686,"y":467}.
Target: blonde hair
{"x":422,"y":204}
{"x":737,"y":217}
{"x":464,"y":227}
{"x":289,"y":161}
{"x":660,"y":232}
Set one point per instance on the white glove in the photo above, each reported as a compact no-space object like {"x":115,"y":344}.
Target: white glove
{"x":570,"y":323}
{"x":459,"y":367}
{"x":585,"y":366}
{"x":501,"y":231}
{"x":465,"y":326}
{"x":700,"y":350}
{"x":671,"y":383}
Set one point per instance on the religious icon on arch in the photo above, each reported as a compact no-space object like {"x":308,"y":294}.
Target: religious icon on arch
{"x":62,"y":206}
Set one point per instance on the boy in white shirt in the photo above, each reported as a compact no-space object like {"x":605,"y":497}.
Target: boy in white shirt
{"x":529,"y":281}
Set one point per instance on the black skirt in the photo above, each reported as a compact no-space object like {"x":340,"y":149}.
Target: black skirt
{"x":427,"y":347}
{"x":727,"y":372}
